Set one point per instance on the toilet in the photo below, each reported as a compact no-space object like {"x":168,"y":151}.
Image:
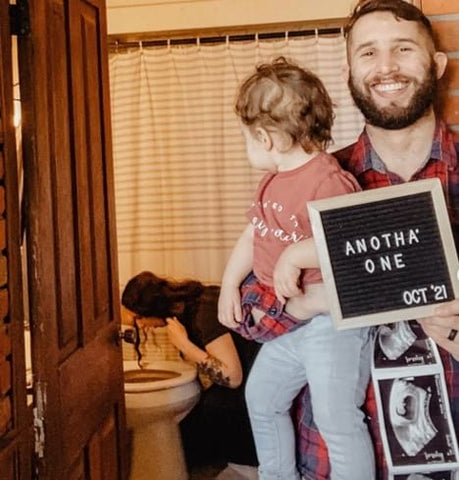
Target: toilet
{"x":158,"y":397}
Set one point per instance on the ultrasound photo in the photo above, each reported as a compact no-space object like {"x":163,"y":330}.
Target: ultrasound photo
{"x":402,"y":344}
{"x":415,"y":421}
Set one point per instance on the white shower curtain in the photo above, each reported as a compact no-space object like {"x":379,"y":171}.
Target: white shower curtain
{"x":182,"y":179}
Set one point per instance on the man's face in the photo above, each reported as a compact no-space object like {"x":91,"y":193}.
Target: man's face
{"x":392,"y":70}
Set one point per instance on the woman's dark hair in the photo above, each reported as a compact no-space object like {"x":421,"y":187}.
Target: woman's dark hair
{"x":150,"y":296}
{"x":399,"y":9}
{"x":289,"y":98}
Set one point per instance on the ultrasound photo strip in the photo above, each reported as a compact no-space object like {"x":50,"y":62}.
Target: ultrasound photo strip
{"x":416,"y":425}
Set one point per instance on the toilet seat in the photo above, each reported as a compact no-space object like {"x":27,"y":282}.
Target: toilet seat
{"x":182,"y":371}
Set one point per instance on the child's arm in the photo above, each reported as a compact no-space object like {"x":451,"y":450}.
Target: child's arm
{"x":293,"y":259}
{"x":238,"y":267}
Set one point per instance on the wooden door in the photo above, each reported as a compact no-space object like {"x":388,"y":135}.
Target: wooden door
{"x":15,"y":417}
{"x":73,"y":278}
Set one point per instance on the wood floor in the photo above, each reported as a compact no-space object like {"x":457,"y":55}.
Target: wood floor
{"x":231,"y":472}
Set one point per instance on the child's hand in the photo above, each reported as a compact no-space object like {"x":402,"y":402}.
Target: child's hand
{"x":177,"y":334}
{"x":285,"y":278}
{"x":229,"y":306}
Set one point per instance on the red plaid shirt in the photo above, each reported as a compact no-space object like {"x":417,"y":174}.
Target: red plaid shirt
{"x":363,"y":162}
{"x":276,"y":320}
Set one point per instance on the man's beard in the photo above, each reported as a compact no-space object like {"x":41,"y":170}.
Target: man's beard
{"x":394,"y":117}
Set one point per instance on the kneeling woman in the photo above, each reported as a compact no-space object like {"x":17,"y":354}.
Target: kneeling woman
{"x":218,"y":430}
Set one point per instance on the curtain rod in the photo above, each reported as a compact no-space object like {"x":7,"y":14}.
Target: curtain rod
{"x":226,"y":34}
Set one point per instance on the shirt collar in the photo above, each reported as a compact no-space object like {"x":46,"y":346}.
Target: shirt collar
{"x":443,"y":149}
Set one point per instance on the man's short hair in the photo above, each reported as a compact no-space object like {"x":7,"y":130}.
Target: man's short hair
{"x":399,"y":9}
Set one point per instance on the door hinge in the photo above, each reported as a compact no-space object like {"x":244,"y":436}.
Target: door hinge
{"x":19,"y":18}
{"x":39,"y":422}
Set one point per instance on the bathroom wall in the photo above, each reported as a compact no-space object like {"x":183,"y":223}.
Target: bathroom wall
{"x":444,"y":15}
{"x":151,"y":16}
{"x":154,"y":345}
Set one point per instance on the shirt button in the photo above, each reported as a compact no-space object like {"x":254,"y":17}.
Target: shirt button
{"x":272,"y":311}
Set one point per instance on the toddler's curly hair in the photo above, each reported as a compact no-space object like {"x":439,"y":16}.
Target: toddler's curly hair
{"x":290,"y":99}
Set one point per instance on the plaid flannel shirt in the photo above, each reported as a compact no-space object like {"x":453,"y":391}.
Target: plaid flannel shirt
{"x":363,"y":162}
{"x":276,"y":320}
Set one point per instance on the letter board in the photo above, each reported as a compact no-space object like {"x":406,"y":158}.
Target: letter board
{"x":386,"y":254}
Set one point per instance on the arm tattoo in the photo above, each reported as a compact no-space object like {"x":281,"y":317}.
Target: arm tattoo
{"x":212,"y":367}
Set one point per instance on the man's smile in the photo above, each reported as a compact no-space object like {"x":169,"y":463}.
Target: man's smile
{"x":390,"y":87}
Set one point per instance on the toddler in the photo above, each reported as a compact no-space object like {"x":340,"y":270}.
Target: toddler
{"x":286,"y":117}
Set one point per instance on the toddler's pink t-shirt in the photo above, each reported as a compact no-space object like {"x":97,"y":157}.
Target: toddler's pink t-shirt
{"x":279,"y":213}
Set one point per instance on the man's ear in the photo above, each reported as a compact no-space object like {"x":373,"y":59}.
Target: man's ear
{"x":264,"y":137}
{"x":440,"y":59}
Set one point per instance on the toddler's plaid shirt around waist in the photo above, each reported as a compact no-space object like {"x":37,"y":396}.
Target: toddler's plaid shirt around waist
{"x":276,"y":320}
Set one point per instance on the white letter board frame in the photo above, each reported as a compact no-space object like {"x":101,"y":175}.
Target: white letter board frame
{"x":318,"y":208}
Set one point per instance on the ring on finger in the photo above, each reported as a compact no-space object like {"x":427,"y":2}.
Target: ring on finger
{"x":452,"y":334}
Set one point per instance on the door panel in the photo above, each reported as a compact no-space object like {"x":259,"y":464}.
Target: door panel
{"x":73,"y":280}
{"x":7,"y":465}
{"x":77,"y":470}
{"x":100,"y":446}
{"x":61,"y":179}
{"x":77,"y":381}
{"x":93,"y":225}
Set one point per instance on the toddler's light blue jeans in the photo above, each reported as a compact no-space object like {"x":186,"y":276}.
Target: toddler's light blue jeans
{"x":336,"y":365}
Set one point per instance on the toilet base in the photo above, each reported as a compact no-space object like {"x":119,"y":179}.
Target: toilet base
{"x":157,"y":452}
{"x":153,"y":412}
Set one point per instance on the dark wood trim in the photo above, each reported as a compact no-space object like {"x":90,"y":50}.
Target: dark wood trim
{"x":13,"y":254}
{"x":233,"y":32}
{"x":112,"y":238}
{"x":13,"y":241}
{"x":20,"y":437}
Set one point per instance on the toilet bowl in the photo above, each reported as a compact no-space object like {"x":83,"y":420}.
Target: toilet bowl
{"x":157,"y":398}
